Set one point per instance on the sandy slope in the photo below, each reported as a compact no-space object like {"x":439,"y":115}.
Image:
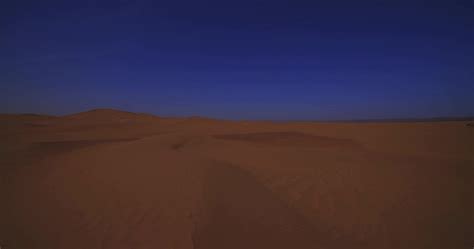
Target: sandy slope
{"x":111,"y":179}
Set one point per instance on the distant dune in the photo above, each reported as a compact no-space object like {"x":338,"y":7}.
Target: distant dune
{"x":113,"y":179}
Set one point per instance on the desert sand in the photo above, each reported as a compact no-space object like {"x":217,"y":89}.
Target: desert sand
{"x":112,"y":179}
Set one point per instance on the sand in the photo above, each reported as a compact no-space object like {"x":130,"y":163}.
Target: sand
{"x":112,"y":179}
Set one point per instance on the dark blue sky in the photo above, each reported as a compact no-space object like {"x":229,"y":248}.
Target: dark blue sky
{"x":239,"y":59}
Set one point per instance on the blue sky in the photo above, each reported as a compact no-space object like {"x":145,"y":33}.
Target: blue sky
{"x":240,"y":59}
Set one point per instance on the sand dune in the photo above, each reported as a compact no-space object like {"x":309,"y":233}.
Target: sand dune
{"x":289,"y":139}
{"x":113,"y":179}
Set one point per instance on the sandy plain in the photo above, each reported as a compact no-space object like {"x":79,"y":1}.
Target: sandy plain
{"x":112,"y":179}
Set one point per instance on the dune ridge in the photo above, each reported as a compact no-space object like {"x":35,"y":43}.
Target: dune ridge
{"x":112,"y":179}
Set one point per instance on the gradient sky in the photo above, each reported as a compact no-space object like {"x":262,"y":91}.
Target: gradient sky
{"x":243,"y":59}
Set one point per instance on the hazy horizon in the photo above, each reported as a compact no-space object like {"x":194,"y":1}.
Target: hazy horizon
{"x":360,"y":119}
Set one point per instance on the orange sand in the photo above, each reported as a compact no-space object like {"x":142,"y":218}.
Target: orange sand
{"x":113,"y":179}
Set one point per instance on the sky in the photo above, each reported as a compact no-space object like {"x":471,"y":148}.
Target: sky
{"x":259,"y":59}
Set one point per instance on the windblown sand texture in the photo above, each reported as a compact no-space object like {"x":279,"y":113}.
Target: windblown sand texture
{"x":113,"y":179}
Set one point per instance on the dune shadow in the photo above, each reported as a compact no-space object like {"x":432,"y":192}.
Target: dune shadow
{"x":289,"y":138}
{"x":56,"y":147}
{"x":239,"y":212}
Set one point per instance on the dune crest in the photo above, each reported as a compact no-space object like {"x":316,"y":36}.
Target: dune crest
{"x":289,"y":139}
{"x":93,"y":180}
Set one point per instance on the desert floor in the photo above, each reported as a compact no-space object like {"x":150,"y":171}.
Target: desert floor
{"x":112,"y":179}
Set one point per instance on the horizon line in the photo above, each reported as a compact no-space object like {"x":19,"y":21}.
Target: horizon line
{"x":395,"y":119}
